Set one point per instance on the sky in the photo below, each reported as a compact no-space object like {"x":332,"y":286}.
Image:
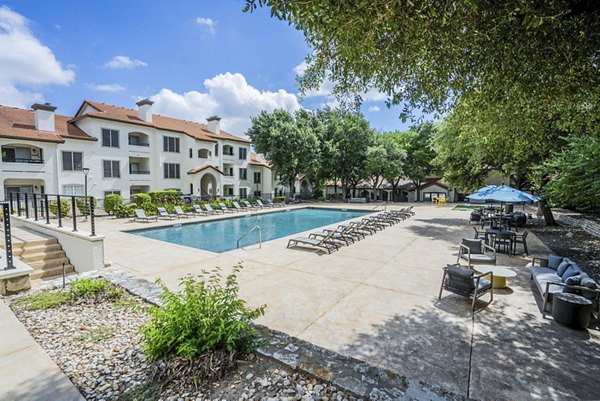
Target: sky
{"x":193,"y":58}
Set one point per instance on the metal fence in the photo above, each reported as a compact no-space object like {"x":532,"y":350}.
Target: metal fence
{"x":62,"y":209}
{"x":7,"y":236}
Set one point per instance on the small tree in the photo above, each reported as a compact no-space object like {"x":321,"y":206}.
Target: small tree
{"x":65,"y":207}
{"x":113,"y":202}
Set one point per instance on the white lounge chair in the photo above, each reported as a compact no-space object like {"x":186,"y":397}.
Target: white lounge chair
{"x":270,"y":202}
{"x":249,"y":206}
{"x":239,"y":208}
{"x":225,"y":209}
{"x":198,"y":210}
{"x":210,"y":210}
{"x":323,"y":243}
{"x":259,"y":203}
{"x":162,"y":212}
{"x":180,"y":213}
{"x":140,"y":215}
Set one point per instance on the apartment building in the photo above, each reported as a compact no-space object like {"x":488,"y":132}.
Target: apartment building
{"x":124,"y":151}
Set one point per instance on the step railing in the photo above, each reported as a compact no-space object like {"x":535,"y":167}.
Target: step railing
{"x":248,"y":232}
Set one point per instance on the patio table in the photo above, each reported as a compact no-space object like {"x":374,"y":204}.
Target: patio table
{"x":495,"y":232}
{"x":501,"y":273}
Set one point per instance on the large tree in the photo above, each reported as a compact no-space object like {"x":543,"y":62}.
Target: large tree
{"x":419,"y":153}
{"x":386,"y":159}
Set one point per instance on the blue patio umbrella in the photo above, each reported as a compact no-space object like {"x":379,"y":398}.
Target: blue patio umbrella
{"x":502,"y":194}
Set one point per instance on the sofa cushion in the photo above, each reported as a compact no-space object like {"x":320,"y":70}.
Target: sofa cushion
{"x":589,"y":282}
{"x":543,"y":275}
{"x":563,"y":266}
{"x":474,"y":245}
{"x":554,"y":261}
{"x":573,"y":270}
{"x":479,"y":258}
{"x":574,"y":280}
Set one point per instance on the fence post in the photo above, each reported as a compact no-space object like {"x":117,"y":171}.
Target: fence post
{"x":7,"y":237}
{"x":35,"y":207}
{"x":26,"y":206}
{"x":74,"y":211}
{"x":92,"y":219}
{"x":19,"y":204}
{"x":58,"y":211}
{"x":46,"y":209}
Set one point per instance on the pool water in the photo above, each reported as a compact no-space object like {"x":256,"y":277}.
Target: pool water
{"x":222,"y":235}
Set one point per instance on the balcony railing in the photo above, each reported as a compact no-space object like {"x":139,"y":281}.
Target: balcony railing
{"x":139,"y":172}
{"x":21,"y":160}
{"x":133,"y":143}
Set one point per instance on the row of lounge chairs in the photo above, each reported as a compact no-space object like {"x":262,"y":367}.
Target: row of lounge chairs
{"x":346,"y":234}
{"x":140,"y":215}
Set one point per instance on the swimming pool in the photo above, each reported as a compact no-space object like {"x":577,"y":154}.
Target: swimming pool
{"x":222,"y":235}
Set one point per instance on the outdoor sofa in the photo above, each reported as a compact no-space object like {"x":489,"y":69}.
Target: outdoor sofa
{"x":556,"y":274}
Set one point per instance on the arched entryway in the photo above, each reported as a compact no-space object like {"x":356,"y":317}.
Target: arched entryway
{"x":208,"y":185}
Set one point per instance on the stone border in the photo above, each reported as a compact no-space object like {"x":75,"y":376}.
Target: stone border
{"x":361,"y":379}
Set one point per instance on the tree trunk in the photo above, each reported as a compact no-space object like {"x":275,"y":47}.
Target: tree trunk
{"x":545,"y":210}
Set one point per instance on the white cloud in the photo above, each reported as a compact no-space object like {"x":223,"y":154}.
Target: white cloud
{"x":25,"y":63}
{"x":228,"y":96}
{"x":106,"y":87}
{"x":124,"y":62}
{"x":207,"y":22}
{"x":374,"y":109}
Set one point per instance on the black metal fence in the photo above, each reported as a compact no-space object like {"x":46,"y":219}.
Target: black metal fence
{"x":62,"y":209}
{"x":7,"y":236}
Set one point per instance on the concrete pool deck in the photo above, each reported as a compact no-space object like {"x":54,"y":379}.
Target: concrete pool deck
{"x":376,"y":300}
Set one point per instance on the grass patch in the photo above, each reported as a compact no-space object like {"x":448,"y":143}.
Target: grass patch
{"x":466,"y":207}
{"x":127,"y":303}
{"x":42,"y":300}
{"x":140,"y":392}
{"x":97,"y":335}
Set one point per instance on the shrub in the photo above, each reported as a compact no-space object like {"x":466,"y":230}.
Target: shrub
{"x":124,"y":210}
{"x":95,"y":289}
{"x":140,"y":199}
{"x":149,"y":208}
{"x":112,"y":202}
{"x":42,"y":300}
{"x":83,"y":206}
{"x":164,"y":198}
{"x":203,"y":316}
{"x":65,"y":207}
{"x":279,"y":199}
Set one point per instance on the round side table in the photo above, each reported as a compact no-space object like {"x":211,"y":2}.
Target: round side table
{"x":571,"y":309}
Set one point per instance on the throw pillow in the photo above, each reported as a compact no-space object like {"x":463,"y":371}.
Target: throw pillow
{"x":574,"y":280}
{"x":591,"y":284}
{"x":554,"y":261}
{"x":474,"y":245}
{"x":562,"y":268}
{"x":573,"y":270}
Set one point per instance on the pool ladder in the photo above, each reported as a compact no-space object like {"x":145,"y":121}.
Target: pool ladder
{"x":248,"y":232}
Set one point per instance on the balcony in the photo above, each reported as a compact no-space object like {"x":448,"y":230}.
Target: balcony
{"x":21,"y":160}
{"x":139,"y":172}
{"x":135,"y":143}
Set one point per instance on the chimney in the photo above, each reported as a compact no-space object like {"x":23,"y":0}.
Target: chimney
{"x":145,"y":110}
{"x":214,"y":124}
{"x":44,"y":117}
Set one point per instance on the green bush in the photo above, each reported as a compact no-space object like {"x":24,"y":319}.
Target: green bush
{"x":83,"y":206}
{"x":124,"y":210}
{"x":42,"y":300}
{"x":149,"y":208}
{"x":279,"y":199}
{"x":204,"y":315}
{"x":112,"y":202}
{"x":165,"y":198}
{"x":140,"y":199}
{"x":95,"y":288}
{"x":65,"y":207}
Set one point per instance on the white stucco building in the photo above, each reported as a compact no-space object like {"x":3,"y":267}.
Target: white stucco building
{"x":127,"y":151}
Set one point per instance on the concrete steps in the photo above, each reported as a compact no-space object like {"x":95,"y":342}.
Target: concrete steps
{"x":45,"y":255}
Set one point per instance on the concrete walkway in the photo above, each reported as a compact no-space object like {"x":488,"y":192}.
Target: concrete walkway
{"x":26,"y":371}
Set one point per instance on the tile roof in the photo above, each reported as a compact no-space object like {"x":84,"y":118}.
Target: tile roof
{"x":203,"y":167}
{"x":255,"y":162}
{"x":20,"y":124}
{"x":122,"y":114}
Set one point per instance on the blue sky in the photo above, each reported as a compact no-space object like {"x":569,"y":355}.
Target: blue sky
{"x":193,"y":58}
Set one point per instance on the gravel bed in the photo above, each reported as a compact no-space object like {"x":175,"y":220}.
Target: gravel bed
{"x":98,"y":347}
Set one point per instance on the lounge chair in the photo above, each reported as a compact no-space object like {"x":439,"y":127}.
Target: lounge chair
{"x":210,"y":210}
{"x":140,"y":215}
{"x":362,"y":227}
{"x":262,"y":205}
{"x":339,"y":234}
{"x":162,"y":212}
{"x":180,"y":213}
{"x":225,"y":209}
{"x":475,"y":251}
{"x":271,"y":204}
{"x":463,"y":281}
{"x":239,"y":208}
{"x":250,"y":206}
{"x":198,"y":210}
{"x":323,"y":243}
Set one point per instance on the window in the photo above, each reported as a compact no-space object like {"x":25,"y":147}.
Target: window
{"x":228,"y":150}
{"x":73,"y":190}
{"x":257,"y":194}
{"x":230,"y":191}
{"x":243,"y":153}
{"x":191,"y":153}
{"x":257,"y":178}
{"x":243,"y":192}
{"x":170,"y":144}
{"x":112,"y":169}
{"x":203,"y":153}
{"x":243,"y":174}
{"x":216,"y":149}
{"x":72,"y":161}
{"x":171,"y":170}
{"x":111,"y":193}
{"x":228,"y":171}
{"x":110,"y":138}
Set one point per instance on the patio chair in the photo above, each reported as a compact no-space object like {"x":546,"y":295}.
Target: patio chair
{"x":180,"y":213}
{"x":225,"y":209}
{"x":239,"y":208}
{"x":262,"y":205}
{"x":475,"y":251}
{"x":521,"y":239}
{"x":479,"y":234}
{"x":250,"y":206}
{"x":323,"y":243}
{"x":140,"y":215}
{"x":162,"y":212}
{"x":210,"y":210}
{"x":464,"y":282}
{"x":270,"y":202}
{"x":198,"y":210}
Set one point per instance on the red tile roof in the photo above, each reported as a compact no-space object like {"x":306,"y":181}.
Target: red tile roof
{"x":203,"y":167}
{"x":122,"y":114}
{"x":20,"y":124}
{"x":255,"y":162}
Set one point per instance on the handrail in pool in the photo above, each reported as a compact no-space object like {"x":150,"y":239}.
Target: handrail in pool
{"x":248,"y":232}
